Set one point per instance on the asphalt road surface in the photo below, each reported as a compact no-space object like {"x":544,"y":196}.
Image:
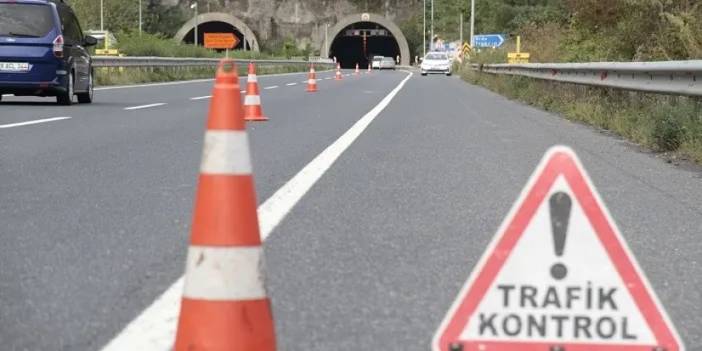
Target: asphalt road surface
{"x":97,"y":200}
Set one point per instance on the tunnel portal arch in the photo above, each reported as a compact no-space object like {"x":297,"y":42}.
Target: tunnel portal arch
{"x":218,"y":17}
{"x":379,"y":20}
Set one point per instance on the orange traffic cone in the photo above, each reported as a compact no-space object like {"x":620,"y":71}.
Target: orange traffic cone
{"x":224,"y":304}
{"x":357,"y":71}
{"x":338,"y":72}
{"x":252,"y":102}
{"x":312,"y":80}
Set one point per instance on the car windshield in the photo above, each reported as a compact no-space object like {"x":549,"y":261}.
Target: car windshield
{"x":25,"y":20}
{"x":377,"y":59}
{"x":436,"y":57}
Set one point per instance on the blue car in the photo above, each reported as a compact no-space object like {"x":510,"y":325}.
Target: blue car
{"x":43,"y":51}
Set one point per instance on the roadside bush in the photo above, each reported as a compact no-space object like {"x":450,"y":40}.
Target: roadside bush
{"x":668,"y":131}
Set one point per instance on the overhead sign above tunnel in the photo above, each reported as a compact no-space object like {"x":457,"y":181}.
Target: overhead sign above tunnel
{"x":557,"y":276}
{"x":221,"y":41}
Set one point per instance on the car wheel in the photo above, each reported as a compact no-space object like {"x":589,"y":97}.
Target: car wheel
{"x":448,"y":74}
{"x":424,"y":74}
{"x":66,"y":98}
{"x":87,"y":97}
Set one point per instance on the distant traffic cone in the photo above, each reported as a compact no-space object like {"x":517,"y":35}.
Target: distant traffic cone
{"x":252,"y":101}
{"x":224,"y":304}
{"x":312,"y":80}
{"x":357,"y":70}
{"x":369,"y":68}
{"x":338,"y":72}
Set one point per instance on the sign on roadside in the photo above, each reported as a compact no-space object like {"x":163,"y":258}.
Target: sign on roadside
{"x":518,"y":57}
{"x":488,"y":40}
{"x":557,"y":276}
{"x":221,"y":41}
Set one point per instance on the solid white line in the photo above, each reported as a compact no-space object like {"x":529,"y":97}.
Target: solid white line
{"x":46,"y":120}
{"x":143,"y":106}
{"x":155,"y":327}
{"x":201,"y":97}
{"x":291,"y":84}
{"x":155,"y":84}
{"x":271,"y":87}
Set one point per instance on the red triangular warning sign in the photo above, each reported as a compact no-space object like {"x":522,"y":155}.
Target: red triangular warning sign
{"x":557,"y":276}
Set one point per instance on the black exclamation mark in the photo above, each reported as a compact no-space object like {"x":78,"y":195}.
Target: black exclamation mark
{"x":560,"y":214}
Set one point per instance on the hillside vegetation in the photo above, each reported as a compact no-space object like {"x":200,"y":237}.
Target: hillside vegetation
{"x":612,"y":30}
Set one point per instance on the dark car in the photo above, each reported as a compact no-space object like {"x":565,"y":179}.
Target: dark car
{"x":43,"y":51}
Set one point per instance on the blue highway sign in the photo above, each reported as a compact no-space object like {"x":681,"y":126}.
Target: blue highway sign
{"x":489,"y":40}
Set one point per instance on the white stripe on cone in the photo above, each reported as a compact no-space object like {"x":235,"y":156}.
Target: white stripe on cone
{"x":224,"y":273}
{"x":311,"y":81}
{"x":253,"y":78}
{"x":252,"y":100}
{"x":226,"y":152}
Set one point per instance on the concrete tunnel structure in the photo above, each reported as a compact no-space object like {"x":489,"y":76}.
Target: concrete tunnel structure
{"x":218,"y":22}
{"x":353,"y":39}
{"x":383,"y":37}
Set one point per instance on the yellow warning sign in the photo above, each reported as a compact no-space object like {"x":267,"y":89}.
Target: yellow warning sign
{"x":518,"y":57}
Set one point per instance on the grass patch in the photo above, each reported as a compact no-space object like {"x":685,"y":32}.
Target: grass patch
{"x":659,"y":122}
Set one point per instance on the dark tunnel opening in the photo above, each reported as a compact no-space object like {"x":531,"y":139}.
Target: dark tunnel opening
{"x":214,"y":27}
{"x":349,"y":48}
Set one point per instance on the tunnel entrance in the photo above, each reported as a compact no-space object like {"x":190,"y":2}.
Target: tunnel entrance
{"x":215,"y":27}
{"x":360,"y":41}
{"x":217,"y":22}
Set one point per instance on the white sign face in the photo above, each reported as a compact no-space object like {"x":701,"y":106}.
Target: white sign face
{"x":587,"y":301}
{"x":365,"y":17}
{"x":557,"y":275}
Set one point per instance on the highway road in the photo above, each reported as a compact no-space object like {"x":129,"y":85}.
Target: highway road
{"x":97,"y":200}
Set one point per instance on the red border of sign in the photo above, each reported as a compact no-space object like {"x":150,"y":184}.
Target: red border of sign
{"x":558,"y":160}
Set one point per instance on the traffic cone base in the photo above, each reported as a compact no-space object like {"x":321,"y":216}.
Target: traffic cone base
{"x":312,"y":81}
{"x":338,"y":72}
{"x":253,"y":112}
{"x":231,"y":326}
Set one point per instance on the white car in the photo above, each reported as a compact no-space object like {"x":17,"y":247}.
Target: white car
{"x":375,"y":63}
{"x":387,"y":63}
{"x":436,"y":62}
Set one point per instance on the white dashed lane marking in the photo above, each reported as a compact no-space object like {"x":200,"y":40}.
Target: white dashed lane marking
{"x":46,"y":120}
{"x":141,"y":107}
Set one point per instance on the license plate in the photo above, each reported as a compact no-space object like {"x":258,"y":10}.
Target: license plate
{"x":14,"y":66}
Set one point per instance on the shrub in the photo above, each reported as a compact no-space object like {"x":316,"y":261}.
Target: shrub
{"x":668,"y":130}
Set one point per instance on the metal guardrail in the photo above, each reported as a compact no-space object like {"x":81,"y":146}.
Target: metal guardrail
{"x":665,"y":77}
{"x":114,"y":61}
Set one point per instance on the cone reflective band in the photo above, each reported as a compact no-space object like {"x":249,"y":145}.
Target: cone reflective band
{"x":225,"y":305}
{"x":252,"y":101}
{"x":338,"y":72}
{"x":312,"y":80}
